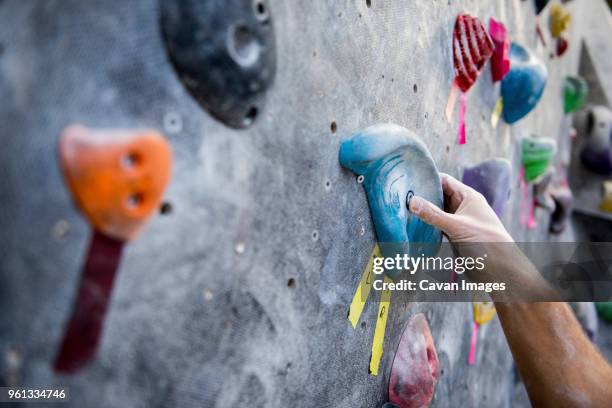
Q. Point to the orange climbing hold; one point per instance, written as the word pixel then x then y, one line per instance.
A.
pixel 117 177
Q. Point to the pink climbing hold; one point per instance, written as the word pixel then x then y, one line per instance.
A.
pixel 415 369
pixel 500 60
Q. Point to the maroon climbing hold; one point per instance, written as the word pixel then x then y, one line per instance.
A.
pixel 562 46
pixel 500 61
pixel 414 372
pixel 472 47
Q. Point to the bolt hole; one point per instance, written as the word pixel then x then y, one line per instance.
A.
pixel 369 3
pixel 408 198
pixel 261 11
pixel 363 325
pixel 327 184
pixel 243 46
pixel 415 88
pixel 360 179
pixel 315 235
pixel 130 160
pixel 173 122
pixel 333 127
pixel 291 283
pixel 250 116
pixel 134 200
pixel 166 208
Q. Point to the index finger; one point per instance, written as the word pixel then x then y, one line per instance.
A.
pixel 451 186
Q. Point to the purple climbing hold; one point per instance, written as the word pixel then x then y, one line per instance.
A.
pixel 564 205
pixel 596 153
pixel 491 178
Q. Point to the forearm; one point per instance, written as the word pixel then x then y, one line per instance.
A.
pixel 557 362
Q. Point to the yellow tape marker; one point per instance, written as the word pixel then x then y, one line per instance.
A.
pixel 363 289
pixel 499 106
pixel 379 331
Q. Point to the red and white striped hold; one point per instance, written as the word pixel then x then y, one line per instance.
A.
pixel 472 47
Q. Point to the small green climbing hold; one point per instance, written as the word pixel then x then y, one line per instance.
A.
pixel 575 91
pixel 536 155
pixel 605 310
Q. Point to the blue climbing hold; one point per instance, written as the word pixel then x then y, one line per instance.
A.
pixel 522 88
pixel 395 165
pixel 491 178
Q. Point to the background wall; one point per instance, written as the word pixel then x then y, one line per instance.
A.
pixel 202 314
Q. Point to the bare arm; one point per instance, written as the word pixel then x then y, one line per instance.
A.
pixel 557 362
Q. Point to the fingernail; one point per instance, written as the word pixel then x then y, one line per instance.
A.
pixel 416 204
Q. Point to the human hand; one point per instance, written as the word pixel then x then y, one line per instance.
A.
pixel 469 217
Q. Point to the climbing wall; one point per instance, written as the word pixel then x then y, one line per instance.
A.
pixel 237 294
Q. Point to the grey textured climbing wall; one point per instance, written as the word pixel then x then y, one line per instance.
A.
pixel 239 296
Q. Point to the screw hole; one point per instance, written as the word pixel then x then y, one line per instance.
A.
pixel 173 122
pixel 243 46
pixel 408 198
pixel 261 11
pixel 415 88
pixel 250 116
pixel 333 127
pixel 130 160
pixel 291 283
pixel 360 179
pixel 315 235
pixel 166 208
pixel 363 325
pixel 134 200
pixel 369 3
pixel 327 184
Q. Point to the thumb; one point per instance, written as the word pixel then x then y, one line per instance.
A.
pixel 432 214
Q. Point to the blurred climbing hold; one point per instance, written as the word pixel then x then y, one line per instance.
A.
pixel 539 5
pixel 491 178
pixel 394 164
pixel 604 309
pixel 117 178
pixel 224 53
pixel 541 191
pixel 484 312
pixel 563 199
pixel 559 19
pixel 536 156
pixel 500 60
pixel 606 201
pixel 522 88
pixel 575 91
pixel 472 48
pixel 552 192
pixel 415 368
pixel 562 46
pixel 596 134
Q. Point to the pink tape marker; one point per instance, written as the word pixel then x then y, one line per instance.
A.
pixel 472 356
pixel 461 131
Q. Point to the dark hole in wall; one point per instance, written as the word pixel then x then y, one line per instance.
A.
pixel 166 208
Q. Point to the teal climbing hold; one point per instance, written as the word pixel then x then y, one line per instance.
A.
pixel 522 87
pixel 395 165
